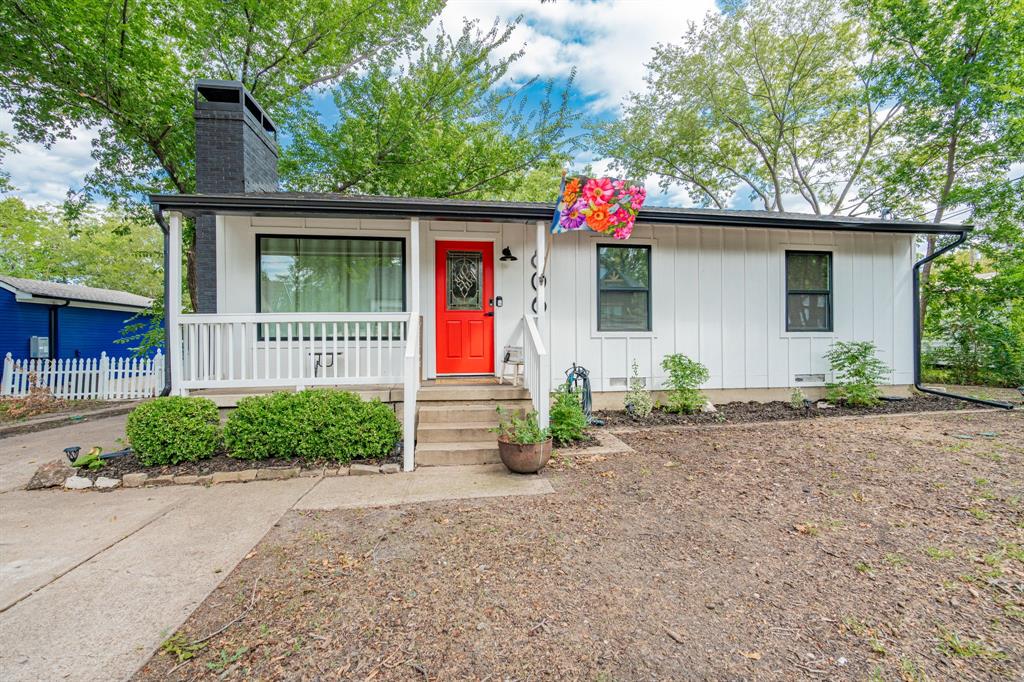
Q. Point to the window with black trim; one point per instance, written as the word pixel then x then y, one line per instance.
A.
pixel 808 291
pixel 623 288
pixel 330 274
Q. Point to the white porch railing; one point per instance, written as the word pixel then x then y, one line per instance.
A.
pixel 99 378
pixel 537 370
pixel 225 350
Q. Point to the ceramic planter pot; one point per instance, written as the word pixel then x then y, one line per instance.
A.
pixel 524 459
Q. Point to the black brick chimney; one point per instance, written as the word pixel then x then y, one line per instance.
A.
pixel 236 151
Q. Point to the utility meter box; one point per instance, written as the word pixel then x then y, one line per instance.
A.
pixel 39 346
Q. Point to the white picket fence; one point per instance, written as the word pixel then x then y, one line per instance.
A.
pixel 99 378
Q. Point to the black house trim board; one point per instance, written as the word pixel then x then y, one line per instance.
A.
pixel 319 205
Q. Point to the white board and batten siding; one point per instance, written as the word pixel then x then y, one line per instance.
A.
pixel 718 295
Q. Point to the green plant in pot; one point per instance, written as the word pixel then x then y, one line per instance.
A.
pixel 524 446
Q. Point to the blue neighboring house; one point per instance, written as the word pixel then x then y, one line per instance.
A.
pixel 77 321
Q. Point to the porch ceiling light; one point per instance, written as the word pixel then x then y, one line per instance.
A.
pixel 506 255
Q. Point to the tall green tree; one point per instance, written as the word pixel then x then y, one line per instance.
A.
pixel 957 67
pixel 105 249
pixel 440 122
pixel 6 147
pixel 767 100
pixel 126 69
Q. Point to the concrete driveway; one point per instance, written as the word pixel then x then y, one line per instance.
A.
pixel 21 455
pixel 91 583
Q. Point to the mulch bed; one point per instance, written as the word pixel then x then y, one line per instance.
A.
pixel 817 550
pixel 130 464
pixel 737 412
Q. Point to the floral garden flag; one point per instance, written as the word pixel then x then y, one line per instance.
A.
pixel 600 204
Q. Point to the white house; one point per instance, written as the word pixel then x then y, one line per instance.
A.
pixel 396 295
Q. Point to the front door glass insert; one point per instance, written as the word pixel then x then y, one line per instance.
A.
pixel 465 279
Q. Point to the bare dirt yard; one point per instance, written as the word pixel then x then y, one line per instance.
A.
pixel 868 548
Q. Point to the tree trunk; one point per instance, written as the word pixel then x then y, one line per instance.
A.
pixel 926 271
pixel 940 210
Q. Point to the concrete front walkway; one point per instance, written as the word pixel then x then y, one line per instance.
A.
pixel 91 583
pixel 426 484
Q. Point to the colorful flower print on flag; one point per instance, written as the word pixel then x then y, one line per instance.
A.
pixel 600 204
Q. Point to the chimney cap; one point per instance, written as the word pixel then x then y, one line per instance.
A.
pixel 221 94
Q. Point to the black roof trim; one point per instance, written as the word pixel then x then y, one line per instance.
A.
pixel 297 204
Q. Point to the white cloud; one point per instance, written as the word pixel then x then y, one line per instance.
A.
pixel 608 41
pixel 42 175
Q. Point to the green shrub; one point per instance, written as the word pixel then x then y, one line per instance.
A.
pixel 638 401
pixel 567 418
pixel 174 429
pixel 316 424
pixel 522 430
pixel 684 378
pixel 796 399
pixel 856 373
pixel 976 325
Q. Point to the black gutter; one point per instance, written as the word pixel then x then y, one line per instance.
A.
pixel 961 238
pixel 392 207
pixel 159 217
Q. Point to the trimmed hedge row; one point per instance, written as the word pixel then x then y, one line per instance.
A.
pixel 174 429
pixel 314 425
pixel 319 424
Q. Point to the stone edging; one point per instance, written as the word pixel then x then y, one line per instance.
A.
pixel 144 480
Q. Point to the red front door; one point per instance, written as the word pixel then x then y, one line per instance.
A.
pixel 464 289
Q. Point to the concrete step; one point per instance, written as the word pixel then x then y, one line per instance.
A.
pixel 454 454
pixel 460 413
pixel 471 393
pixel 455 433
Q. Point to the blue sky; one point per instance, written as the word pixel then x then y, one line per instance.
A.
pixel 608 41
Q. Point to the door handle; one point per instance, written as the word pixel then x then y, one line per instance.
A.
pixel 489 314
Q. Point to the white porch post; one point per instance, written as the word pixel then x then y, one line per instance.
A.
pixel 414 247
pixel 411 376
pixel 172 306
pixel 543 400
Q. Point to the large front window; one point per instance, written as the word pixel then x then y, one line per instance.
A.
pixel 623 288
pixel 330 275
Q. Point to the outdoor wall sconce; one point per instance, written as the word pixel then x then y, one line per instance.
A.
pixel 506 255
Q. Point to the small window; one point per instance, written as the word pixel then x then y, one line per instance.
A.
pixel 623 288
pixel 808 291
